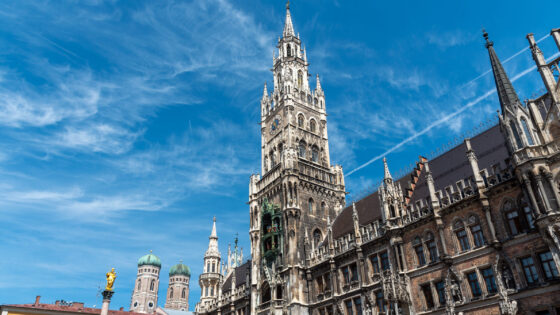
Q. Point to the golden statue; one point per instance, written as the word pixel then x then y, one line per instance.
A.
pixel 111 276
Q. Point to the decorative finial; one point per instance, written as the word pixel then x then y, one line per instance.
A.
pixel 150 251
pixel 485 35
pixel 214 219
pixel 288 5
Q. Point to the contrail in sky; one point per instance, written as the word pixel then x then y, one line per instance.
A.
pixel 455 113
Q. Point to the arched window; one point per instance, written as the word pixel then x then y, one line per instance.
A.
pixel 310 205
pixel 512 218
pixel 515 135
pixel 279 292
pixel 265 293
pixel 323 209
pixel 315 154
pixel 208 267
pixel 432 247
pixel 289 50
pixel 211 291
pixel 528 212
pixel 461 235
pixel 315 101
pixel 317 237
pixel 476 231
pixel 152 285
pixel 300 121
pixel 527 131
pixel 302 149
pixel 170 293
pixel 139 283
pixel 392 211
pixel 213 267
pixel 299 79
pixel 312 125
pixel 419 249
pixel 184 293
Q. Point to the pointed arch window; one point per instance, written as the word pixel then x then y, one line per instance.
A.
pixel 310 205
pixel 171 293
pixel 300 79
pixel 476 231
pixel 317 236
pixel 515 133
pixel 432 247
pixel 527 131
pixel 461 235
pixel 152 285
pixel 419 249
pixel 512 218
pixel 289 50
pixel 302 149
pixel 184 293
pixel 315 154
pixel 300 121
pixel 312 125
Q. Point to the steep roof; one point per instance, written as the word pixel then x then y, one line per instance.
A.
pixel 241 273
pixel 447 169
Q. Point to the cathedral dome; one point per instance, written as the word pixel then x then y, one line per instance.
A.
pixel 150 260
pixel 180 269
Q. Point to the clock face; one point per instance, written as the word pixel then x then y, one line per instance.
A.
pixel 275 125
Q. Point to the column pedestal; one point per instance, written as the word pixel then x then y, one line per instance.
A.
pixel 106 301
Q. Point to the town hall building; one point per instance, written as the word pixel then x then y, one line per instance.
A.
pixel 475 230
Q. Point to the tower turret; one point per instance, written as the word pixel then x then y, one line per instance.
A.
pixel 178 289
pixel 145 294
pixel 210 277
pixel 299 188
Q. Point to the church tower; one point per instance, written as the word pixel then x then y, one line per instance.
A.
pixel 145 294
pixel 178 289
pixel 210 278
pixel 299 189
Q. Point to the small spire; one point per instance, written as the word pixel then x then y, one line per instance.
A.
pixel 488 42
pixel 214 234
pixel 506 93
pixel 319 88
pixel 386 167
pixel 265 95
pixel 304 55
pixel 288 26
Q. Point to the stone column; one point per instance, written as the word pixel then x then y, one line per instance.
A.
pixel 528 188
pixel 106 301
pixel 554 189
pixel 542 193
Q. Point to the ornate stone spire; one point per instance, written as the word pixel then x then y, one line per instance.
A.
pixel 265 91
pixel 387 173
pixel 288 26
pixel 506 92
pixel 318 87
pixel 213 244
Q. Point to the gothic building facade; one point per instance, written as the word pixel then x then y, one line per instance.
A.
pixel 475 230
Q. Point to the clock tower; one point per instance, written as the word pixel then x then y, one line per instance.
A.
pixel 299 189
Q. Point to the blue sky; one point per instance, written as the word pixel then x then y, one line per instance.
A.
pixel 126 126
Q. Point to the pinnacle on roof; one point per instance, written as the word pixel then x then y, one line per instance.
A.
pixel 386 167
pixel 214 234
pixel 319 88
pixel 506 92
pixel 288 26
pixel 265 91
